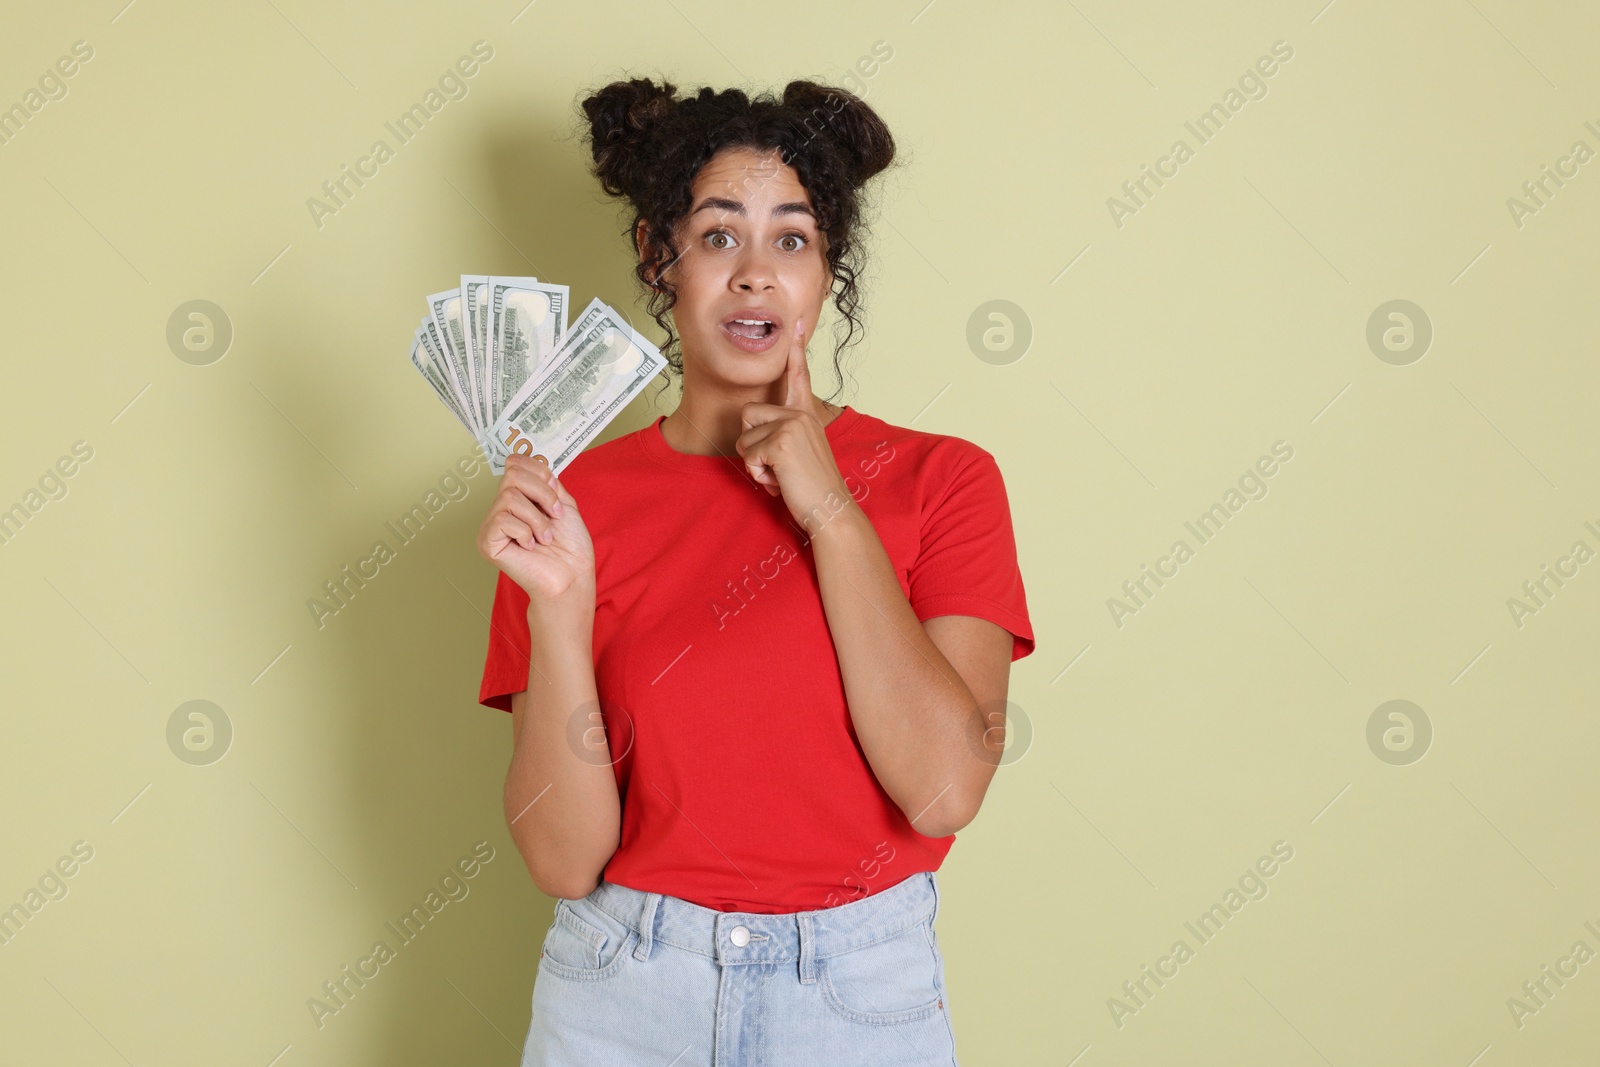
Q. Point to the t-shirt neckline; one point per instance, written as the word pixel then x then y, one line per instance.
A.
pixel 654 443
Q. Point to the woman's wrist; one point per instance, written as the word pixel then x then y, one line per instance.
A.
pixel 565 620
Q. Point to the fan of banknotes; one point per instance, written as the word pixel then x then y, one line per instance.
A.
pixel 503 355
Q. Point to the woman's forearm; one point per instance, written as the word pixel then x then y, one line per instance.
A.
pixel 561 797
pixel 918 722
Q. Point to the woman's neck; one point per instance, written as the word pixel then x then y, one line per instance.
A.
pixel 707 420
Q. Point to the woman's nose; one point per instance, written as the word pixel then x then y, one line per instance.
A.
pixel 753 271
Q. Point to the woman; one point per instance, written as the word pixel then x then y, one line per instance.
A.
pixel 755 654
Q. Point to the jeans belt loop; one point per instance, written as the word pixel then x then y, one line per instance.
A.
pixel 647 926
pixel 808 950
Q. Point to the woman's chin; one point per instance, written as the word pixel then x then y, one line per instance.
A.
pixel 741 370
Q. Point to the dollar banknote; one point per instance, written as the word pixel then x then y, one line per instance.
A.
pixel 424 364
pixel 445 308
pixel 529 321
pixel 475 321
pixel 500 353
pixel 601 365
pixel 454 374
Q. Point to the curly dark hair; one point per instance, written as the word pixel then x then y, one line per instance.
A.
pixel 649 145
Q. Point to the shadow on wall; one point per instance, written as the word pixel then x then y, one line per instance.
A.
pixel 421 761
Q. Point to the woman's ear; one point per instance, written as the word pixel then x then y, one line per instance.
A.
pixel 641 236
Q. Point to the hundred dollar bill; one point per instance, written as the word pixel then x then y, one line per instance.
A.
pixel 599 368
pixel 424 365
pixel 474 291
pixel 530 320
pixel 550 367
pixel 492 330
pixel 434 348
pixel 445 309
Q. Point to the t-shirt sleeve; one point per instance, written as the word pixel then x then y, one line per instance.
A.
pixel 968 559
pixel 505 669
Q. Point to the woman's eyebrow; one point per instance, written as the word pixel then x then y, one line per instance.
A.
pixel 734 207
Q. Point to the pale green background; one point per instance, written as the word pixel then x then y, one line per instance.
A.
pixel 1227 314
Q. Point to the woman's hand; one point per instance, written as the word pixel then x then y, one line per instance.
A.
pixel 785 446
pixel 534 533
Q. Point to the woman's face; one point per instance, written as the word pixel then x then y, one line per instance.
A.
pixel 749 249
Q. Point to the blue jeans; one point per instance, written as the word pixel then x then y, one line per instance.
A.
pixel 627 978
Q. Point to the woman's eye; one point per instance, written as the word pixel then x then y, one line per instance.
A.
pixel 800 240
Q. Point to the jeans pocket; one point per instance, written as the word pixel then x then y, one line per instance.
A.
pixel 891 981
pixel 584 943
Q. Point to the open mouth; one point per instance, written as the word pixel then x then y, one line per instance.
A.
pixel 755 329
pixel 752 329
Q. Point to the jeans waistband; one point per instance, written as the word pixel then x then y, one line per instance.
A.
pixel 741 937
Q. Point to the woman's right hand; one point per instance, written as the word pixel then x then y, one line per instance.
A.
pixel 533 533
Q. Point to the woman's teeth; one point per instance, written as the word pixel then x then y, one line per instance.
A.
pixel 753 329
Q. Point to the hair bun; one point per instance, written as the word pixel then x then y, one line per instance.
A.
pixel 623 118
pixel 854 126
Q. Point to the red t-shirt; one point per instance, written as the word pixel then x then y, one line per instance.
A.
pixel 743 786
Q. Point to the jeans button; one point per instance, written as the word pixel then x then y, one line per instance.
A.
pixel 739 936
